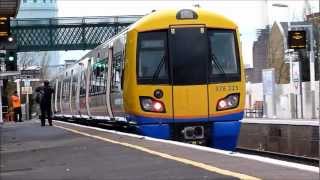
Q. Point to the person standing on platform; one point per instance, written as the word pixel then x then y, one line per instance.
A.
pixel 44 95
pixel 16 105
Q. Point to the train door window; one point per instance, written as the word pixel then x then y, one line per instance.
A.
pixel 74 83
pixel 224 57
pixel 188 55
pixel 58 91
pixel 152 64
pixel 117 71
pixel 66 88
pixel 83 83
pixel 98 77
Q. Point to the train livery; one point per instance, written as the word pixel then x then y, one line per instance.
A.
pixel 174 74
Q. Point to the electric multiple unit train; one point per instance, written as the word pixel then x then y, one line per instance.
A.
pixel 173 74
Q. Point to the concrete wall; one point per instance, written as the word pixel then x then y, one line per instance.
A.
pixel 286 105
pixel 281 138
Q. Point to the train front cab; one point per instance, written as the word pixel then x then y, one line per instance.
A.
pixel 189 82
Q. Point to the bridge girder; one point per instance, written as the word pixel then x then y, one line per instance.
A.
pixel 52 35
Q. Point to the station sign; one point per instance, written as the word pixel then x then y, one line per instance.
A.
pixel 297 39
pixel 4 27
pixel 26 90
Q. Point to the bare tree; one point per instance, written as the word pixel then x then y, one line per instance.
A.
pixel 26 59
pixel 44 64
pixel 39 60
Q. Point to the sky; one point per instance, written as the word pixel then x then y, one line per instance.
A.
pixel 250 15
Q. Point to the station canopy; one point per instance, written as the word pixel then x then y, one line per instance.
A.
pixel 9 8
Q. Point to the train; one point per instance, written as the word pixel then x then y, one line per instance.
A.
pixel 174 74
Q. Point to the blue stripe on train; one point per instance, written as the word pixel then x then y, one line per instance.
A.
pixel 225 129
pixel 153 120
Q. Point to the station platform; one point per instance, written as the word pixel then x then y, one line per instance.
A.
pixel 69 151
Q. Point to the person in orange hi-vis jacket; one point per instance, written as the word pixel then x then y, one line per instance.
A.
pixel 16 104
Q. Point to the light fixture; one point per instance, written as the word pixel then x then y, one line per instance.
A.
pixel 10 39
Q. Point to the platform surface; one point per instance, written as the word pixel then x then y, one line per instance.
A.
pixel 66 151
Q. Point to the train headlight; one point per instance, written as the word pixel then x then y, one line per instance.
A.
pixel 151 105
pixel 229 102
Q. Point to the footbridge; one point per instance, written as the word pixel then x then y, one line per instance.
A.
pixel 74 33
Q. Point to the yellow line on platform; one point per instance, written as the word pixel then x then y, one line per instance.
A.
pixel 167 156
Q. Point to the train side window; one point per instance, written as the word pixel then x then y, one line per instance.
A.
pixel 74 84
pixel 98 77
pixel 68 87
pixel 152 63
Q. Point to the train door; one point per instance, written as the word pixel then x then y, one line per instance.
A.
pixel 53 96
pixel 116 95
pixel 109 80
pixel 88 75
pixel 97 88
pixel 72 92
pixel 66 94
pixel 188 61
pixel 77 94
pixel 83 91
pixel 61 94
pixel 56 95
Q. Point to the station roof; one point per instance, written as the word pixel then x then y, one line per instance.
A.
pixel 9 8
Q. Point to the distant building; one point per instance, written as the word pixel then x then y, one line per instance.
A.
pixel 268 51
pixel 259 56
pixel 38 9
pixel 275 52
pixel 69 62
pixel 276 48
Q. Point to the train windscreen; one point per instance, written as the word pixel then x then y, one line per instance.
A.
pixel 224 59
pixel 188 56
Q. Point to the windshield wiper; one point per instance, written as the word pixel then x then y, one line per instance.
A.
pixel 157 72
pixel 214 59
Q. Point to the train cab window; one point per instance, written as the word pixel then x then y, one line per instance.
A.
pixel 152 64
pixel 224 59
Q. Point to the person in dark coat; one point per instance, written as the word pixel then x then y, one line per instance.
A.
pixel 44 99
